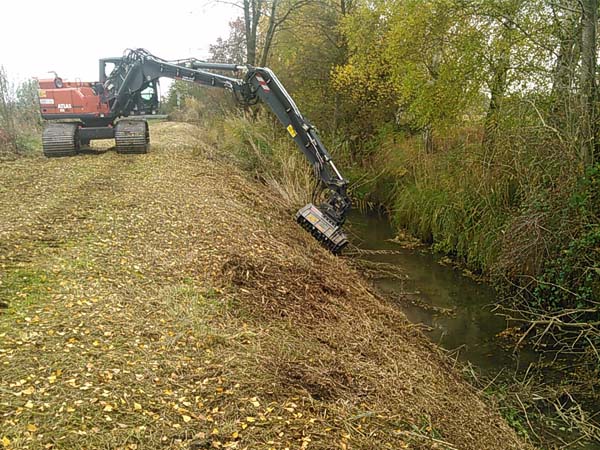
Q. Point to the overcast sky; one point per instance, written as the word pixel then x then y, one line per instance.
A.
pixel 69 36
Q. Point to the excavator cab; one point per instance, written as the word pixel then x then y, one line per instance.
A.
pixel 147 102
pixel 143 102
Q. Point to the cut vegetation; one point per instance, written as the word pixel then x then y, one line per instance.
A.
pixel 167 301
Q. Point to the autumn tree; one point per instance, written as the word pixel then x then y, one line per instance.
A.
pixel 424 56
pixel 308 48
pixel 232 49
pixel 261 20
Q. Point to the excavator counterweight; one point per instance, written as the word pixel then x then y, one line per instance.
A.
pixel 79 112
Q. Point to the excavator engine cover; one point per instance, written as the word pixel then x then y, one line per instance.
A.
pixel 324 229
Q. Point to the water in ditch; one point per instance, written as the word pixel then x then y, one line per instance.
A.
pixel 457 311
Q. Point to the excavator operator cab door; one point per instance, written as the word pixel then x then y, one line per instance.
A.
pixel 147 101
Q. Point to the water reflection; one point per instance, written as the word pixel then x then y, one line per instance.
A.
pixel 457 309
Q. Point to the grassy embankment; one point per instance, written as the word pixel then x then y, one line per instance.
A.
pixel 524 213
pixel 529 223
pixel 166 300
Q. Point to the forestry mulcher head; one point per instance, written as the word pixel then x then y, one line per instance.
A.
pixel 324 228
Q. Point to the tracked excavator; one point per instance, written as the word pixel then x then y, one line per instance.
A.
pixel 116 107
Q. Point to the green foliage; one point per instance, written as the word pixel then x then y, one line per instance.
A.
pixel 232 49
pixel 419 57
pixel 22 287
pixel 303 56
pixel 449 200
pixel 572 277
pixel 516 420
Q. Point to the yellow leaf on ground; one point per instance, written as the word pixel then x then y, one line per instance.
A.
pixel 108 408
pixel 185 418
pixel 5 442
pixel 31 427
pixel 30 390
pixel 137 406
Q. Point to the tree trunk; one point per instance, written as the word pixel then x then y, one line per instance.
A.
pixel 497 91
pixel 247 29
pixel 252 13
pixel 428 139
pixel 567 59
pixel 497 86
pixel 270 33
pixel 587 80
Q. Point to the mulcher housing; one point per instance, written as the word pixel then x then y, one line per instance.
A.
pixel 117 104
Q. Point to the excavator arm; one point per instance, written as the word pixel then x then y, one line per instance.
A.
pixel 138 69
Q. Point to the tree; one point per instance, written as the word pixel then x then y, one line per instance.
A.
pixel 567 26
pixel 279 12
pixel 253 10
pixel 261 21
pixel 233 48
pixel 305 60
pixel 424 55
pixel 587 79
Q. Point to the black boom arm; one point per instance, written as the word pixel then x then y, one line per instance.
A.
pixel 138 69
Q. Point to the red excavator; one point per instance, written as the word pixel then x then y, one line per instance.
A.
pixel 126 92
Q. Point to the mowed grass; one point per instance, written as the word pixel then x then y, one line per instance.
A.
pixel 167 301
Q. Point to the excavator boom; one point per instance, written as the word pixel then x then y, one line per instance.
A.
pixel 104 109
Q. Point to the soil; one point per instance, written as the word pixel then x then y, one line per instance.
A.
pixel 168 300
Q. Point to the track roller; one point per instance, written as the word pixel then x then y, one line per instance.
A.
pixel 60 139
pixel 323 229
pixel 132 136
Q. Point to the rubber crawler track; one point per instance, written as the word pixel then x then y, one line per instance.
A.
pixel 60 139
pixel 132 136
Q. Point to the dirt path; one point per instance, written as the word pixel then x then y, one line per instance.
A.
pixel 164 301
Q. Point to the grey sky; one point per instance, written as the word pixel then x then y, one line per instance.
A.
pixel 70 36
